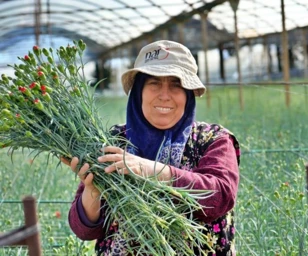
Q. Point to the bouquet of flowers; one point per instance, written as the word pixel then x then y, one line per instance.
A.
pixel 50 107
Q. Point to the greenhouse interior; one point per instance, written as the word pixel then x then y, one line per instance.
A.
pixel 252 57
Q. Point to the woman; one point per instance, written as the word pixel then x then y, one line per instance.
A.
pixel 162 88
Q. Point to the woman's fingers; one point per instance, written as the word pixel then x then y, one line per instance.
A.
pixel 82 172
pixel 74 163
pixel 113 154
pixel 112 149
pixel 113 167
pixel 116 155
pixel 123 171
pixel 88 178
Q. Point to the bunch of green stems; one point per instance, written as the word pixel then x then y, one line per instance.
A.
pixel 50 107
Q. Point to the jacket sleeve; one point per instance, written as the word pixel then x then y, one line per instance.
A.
pixel 79 223
pixel 217 171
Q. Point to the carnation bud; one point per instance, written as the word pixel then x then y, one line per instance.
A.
pixel 34 74
pixel 19 82
pixel 56 79
pixel 72 69
pixel 46 52
pixel 22 89
pixel 24 67
pixel 25 91
pixel 33 61
pixel 34 85
pixel 76 91
pixel 81 45
pixel 46 96
pixel 50 60
pixel 4 128
pixel 5 79
pixel 27 58
pixel 20 98
pixel 53 73
pixel 28 134
pixel 30 54
pixel 74 50
pixel 45 88
pixel 41 75
pixel 61 68
pixel 19 119
pixel 68 50
pixel 7 113
pixel 36 50
pixel 18 74
pixel 62 52
pixel 48 67
pixel 41 68
pixel 38 104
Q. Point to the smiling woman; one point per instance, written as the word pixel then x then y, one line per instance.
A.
pixel 167 144
pixel 163 101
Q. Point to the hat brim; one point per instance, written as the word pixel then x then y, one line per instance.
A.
pixel 189 81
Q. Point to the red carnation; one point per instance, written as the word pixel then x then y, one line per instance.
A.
pixel 58 214
pixel 32 85
pixel 22 89
pixel 40 73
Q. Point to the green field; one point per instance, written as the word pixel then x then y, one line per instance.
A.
pixel 271 210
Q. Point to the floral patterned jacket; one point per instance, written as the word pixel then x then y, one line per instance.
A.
pixel 210 161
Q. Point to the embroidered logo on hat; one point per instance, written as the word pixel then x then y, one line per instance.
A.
pixel 159 54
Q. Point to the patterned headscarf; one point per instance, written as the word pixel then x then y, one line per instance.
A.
pixel 165 146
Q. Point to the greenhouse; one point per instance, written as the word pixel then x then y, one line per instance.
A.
pixel 252 57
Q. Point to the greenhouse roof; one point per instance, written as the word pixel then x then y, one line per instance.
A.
pixel 111 23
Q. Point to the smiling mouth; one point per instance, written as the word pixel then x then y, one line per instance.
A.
pixel 164 110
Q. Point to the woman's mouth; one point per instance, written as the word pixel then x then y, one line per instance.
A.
pixel 163 109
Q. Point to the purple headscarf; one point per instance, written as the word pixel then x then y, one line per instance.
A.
pixel 164 145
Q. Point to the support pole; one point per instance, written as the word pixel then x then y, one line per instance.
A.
pixel 251 71
pixel 307 181
pixel 234 5
pixel 305 54
pixel 180 28
pixel 285 56
pixel 38 11
pixel 265 57
pixel 33 242
pixel 28 234
pixel 165 34
pixel 204 34
pixel 222 62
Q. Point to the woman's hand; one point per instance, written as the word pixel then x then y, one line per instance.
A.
pixel 90 194
pixel 138 165
pixel 84 176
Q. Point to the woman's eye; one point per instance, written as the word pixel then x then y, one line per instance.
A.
pixel 176 84
pixel 152 82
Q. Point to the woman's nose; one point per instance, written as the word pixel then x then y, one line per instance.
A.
pixel 164 91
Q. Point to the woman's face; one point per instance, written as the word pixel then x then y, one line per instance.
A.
pixel 163 101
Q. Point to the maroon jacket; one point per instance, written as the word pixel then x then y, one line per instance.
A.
pixel 217 170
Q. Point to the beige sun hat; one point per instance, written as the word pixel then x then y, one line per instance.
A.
pixel 166 58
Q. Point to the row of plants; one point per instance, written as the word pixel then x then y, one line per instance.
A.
pixel 271 210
